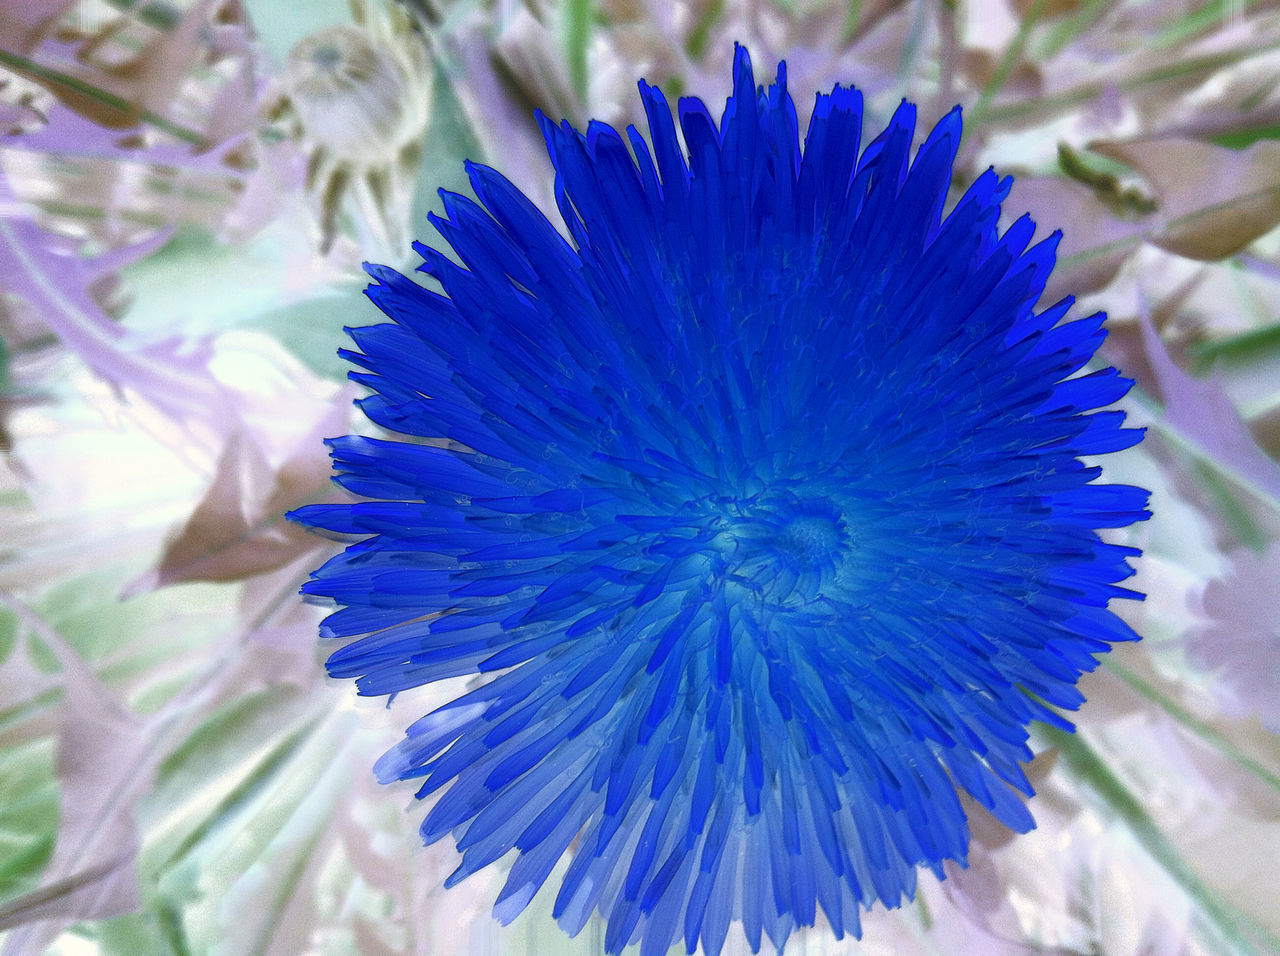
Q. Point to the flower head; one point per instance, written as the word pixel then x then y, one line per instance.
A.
pixel 758 500
pixel 361 97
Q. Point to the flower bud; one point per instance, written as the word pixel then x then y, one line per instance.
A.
pixel 360 100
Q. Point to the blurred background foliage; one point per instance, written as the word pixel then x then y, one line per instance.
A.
pixel 187 190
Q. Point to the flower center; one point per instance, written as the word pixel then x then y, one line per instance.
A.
pixel 811 541
pixel 326 57
pixel 787 547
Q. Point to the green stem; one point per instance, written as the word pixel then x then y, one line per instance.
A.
pixel 1235 927
pixel 161 16
pixel 1008 60
pixel 696 43
pixel 1241 343
pixel 1066 31
pixel 1187 444
pixel 49 75
pixel 852 16
pixel 1234 514
pixel 1086 92
pixel 577 38
pixel 1188 720
pixel 1202 18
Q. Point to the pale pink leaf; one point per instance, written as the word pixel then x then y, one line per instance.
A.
pixel 23 25
pixel 119 95
pixel 1198 411
pixel 228 537
pixel 233 111
pixel 173 377
pixel 1095 242
pixel 159 71
pixel 238 530
pixel 304 475
pixel 104 767
pixel 68 134
pixel 369 941
pixel 376 869
pixel 1265 429
pixel 496 119
pixel 1243 629
pixel 1214 201
pixel 16 118
pixel 285 652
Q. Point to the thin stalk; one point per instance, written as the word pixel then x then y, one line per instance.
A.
pixel 577 38
pixel 1204 17
pixel 1086 92
pixel 1084 18
pixel 1235 515
pixel 1235 927
pixel 1241 343
pixel 47 74
pixel 160 16
pixel 1189 721
pixel 1008 60
pixel 1188 445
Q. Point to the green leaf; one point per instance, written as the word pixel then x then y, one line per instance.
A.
pixel 147 932
pixel 449 141
pixel 1243 345
pixel 1014 52
pixel 28 815
pixel 8 633
pixel 1243 138
pixel 6 381
pixel 218 770
pixel 236 882
pixel 1065 32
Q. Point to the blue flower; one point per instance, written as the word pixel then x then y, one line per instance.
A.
pixel 758 502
